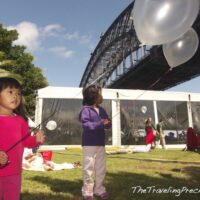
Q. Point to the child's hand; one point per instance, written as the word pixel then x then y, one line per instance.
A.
pixel 40 137
pixel 106 121
pixel 3 158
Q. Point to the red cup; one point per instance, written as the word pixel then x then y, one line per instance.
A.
pixel 46 155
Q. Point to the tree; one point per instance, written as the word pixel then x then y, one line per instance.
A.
pixel 16 63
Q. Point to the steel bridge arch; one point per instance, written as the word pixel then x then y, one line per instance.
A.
pixel 114 46
pixel 119 61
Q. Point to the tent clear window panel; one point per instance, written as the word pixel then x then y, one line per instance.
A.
pixel 175 120
pixel 66 115
pixel 133 114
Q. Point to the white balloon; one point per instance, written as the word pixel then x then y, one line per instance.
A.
pixel 143 109
pixel 162 21
pixel 182 49
pixel 51 125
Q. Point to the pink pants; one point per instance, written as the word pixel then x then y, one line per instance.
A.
pixel 94 167
pixel 10 187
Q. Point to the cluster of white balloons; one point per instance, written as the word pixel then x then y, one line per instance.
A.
pixel 168 22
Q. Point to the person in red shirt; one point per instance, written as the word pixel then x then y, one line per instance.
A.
pixel 191 139
pixel 150 131
pixel 14 132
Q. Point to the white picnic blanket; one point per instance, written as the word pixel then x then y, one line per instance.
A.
pixel 34 162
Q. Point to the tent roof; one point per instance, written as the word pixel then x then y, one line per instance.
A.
pixel 76 93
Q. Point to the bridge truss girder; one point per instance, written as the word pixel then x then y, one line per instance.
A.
pixel 115 45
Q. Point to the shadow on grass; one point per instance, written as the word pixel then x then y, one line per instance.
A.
pixel 129 186
pixel 64 189
pixel 45 196
pixel 134 186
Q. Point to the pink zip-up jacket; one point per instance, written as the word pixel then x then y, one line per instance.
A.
pixel 12 129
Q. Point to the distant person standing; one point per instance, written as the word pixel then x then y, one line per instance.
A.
pixel 161 136
pixel 94 121
pixel 149 139
pixel 150 132
pixel 191 139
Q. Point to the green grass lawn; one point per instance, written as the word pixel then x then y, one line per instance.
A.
pixel 126 177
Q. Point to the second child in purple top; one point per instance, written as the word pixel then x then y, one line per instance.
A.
pixel 93 126
pixel 94 120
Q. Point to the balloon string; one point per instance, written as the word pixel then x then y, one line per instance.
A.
pixel 29 133
pixel 22 139
pixel 153 84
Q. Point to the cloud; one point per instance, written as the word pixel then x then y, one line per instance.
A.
pixel 85 40
pixel 36 38
pixel 62 51
pixel 28 35
pixel 71 36
pixel 51 30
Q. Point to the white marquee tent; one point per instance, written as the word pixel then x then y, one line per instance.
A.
pixel 180 110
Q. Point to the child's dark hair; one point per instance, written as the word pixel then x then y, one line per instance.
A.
pixel 13 83
pixel 90 94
